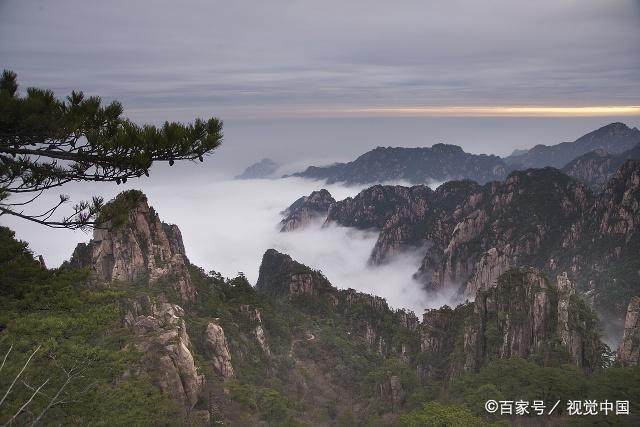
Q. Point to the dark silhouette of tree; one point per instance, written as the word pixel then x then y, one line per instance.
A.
pixel 46 143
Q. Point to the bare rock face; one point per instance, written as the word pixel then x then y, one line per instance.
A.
pixel 255 317
pixel 137 247
pixel 160 334
pixel 517 318
pixel 487 270
pixel 565 291
pixel 629 350
pixel 306 210
pixel 217 350
pixel 620 203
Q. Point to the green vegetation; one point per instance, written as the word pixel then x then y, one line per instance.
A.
pixel 73 349
pixel 440 415
pixel 517 378
pixel 321 369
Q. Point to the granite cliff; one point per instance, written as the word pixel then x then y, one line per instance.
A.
pixel 307 209
pixel 135 246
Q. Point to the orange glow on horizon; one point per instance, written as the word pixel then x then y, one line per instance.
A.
pixel 498 111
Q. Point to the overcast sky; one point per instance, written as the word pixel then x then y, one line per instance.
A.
pixel 260 65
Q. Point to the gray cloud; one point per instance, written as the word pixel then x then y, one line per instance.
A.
pixel 247 61
pixel 242 57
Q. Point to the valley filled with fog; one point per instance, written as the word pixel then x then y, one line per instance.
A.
pixel 228 224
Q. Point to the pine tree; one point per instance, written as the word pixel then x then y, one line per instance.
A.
pixel 46 143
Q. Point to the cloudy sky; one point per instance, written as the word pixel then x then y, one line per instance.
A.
pixel 331 79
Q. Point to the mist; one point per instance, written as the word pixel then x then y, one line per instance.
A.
pixel 227 225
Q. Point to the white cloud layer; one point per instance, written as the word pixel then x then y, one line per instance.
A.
pixel 227 226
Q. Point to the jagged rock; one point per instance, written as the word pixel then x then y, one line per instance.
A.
pixel 136 247
pixel 353 297
pixel 629 350
pixel 306 210
pixel 441 162
pixel 515 318
pixel 255 317
pixel 620 202
pixel 217 350
pixel 611 224
pixel 279 275
pixel 487 270
pixel 565 291
pixel 160 334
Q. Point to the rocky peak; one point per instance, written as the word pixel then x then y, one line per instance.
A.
pixel 629 350
pixel 135 246
pixel 280 275
pixel 303 211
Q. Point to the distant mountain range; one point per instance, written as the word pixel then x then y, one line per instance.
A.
pixel 443 162
pixel 596 167
pixel 614 138
pixel 263 169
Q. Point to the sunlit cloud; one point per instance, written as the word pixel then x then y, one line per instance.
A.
pixel 455 111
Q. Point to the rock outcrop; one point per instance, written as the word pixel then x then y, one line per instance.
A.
pixel 629 350
pixel 523 315
pixel 305 210
pixel 135 246
pixel 217 350
pixel 160 335
pixel 254 316
pixel 279 275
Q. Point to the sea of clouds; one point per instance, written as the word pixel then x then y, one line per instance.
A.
pixel 227 225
